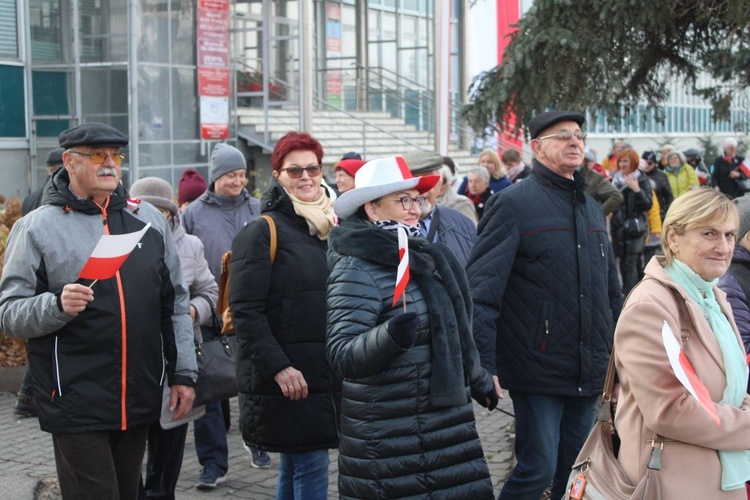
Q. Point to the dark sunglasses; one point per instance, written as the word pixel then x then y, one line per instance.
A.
pixel 296 172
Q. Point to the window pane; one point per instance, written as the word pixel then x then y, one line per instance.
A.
pixel 8 29
pixel 185 113
pixel 105 94
pixel 103 27
pixel 12 114
pixel 153 103
pixel 52 96
pixel 154 154
pixel 45 24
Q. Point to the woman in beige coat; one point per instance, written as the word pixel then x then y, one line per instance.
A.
pixel 700 458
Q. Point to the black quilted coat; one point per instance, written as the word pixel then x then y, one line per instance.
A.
pixel 545 287
pixel 395 443
pixel 279 313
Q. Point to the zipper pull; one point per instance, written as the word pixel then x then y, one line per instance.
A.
pixel 52 396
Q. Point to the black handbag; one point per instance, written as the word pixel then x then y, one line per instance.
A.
pixel 634 227
pixel 217 378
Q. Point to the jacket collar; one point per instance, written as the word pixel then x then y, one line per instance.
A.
pixel 544 175
pixel 210 197
pixel 58 193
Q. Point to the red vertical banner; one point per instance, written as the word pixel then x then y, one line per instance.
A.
pixel 508 14
pixel 212 45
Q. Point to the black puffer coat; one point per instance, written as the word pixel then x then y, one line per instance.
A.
pixel 395 442
pixel 279 313
pixel 636 205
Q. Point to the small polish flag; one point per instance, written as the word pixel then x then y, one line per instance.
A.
pixel 402 277
pixel 745 167
pixel 110 253
pixel 685 373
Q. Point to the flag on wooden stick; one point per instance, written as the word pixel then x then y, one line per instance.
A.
pixel 402 276
pixel 110 253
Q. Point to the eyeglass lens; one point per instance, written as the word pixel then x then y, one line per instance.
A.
pixel 296 172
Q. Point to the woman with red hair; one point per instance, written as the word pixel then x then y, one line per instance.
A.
pixel 629 224
pixel 277 296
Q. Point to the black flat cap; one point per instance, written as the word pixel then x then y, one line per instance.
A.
pixel 423 161
pixel 92 134
pixel 545 120
pixel 55 157
pixel 351 155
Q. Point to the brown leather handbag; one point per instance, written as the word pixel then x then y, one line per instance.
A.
pixel 597 474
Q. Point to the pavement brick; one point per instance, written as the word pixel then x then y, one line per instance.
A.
pixel 27 457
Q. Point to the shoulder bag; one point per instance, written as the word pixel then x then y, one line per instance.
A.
pixel 217 379
pixel 597 474
pixel 222 304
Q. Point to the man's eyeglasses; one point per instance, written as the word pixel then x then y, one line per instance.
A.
pixel 296 172
pixel 565 136
pixel 407 201
pixel 99 157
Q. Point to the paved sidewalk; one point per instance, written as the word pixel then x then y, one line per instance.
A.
pixel 27 458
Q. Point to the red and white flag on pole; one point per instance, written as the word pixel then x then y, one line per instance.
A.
pixel 745 167
pixel 402 277
pixel 110 253
pixel 685 373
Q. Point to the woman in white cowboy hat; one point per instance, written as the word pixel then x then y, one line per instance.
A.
pixel 407 425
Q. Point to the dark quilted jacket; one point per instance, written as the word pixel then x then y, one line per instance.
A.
pixel 636 204
pixel 457 232
pixel 394 442
pixel 279 313
pixel 545 287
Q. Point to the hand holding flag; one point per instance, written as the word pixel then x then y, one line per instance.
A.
pixel 402 276
pixel 685 373
pixel 110 253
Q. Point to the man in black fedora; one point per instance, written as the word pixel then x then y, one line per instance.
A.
pixel 546 294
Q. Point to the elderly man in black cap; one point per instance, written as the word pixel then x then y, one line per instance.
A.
pixel 546 295
pixel 99 350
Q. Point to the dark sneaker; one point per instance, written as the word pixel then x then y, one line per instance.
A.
pixel 25 406
pixel 211 476
pixel 258 458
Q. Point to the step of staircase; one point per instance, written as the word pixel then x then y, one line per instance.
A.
pixel 373 134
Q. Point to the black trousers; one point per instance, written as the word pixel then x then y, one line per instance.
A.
pixel 97 465
pixel 164 462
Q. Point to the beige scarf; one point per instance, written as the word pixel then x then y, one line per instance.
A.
pixel 318 213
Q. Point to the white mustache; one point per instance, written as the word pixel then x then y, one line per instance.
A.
pixel 106 171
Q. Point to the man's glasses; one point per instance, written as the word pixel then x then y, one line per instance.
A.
pixel 99 157
pixel 565 136
pixel 407 202
pixel 296 172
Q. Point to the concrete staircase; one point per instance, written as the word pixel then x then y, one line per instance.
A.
pixel 372 134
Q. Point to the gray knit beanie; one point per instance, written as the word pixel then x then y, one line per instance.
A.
pixel 156 191
pixel 225 159
pixel 743 207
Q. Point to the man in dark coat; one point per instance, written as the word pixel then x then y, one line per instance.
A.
pixel 546 292
pixel 441 223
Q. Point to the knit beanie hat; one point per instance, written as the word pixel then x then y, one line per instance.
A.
pixel 156 191
pixel 743 207
pixel 225 159
pixel 350 166
pixel 191 186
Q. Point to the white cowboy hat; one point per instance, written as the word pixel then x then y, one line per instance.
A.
pixel 378 178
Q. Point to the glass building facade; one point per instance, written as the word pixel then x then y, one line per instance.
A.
pixel 132 64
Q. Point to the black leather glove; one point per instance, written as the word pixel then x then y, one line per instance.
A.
pixel 403 329
pixel 492 396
